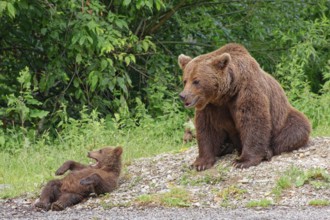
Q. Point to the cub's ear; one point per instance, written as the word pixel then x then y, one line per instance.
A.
pixel 221 62
pixel 183 60
pixel 118 151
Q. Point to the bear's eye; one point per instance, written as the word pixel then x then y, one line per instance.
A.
pixel 184 82
pixel 195 82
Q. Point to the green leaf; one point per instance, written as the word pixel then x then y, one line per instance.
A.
pixel 148 3
pixel 121 83
pixel 300 181
pixel 75 38
pixel 145 46
pixel 140 4
pixel 121 23
pixel 3 5
pixel 76 83
pixel 35 113
pixel 82 40
pixel 159 4
pixel 90 39
pixel 93 80
pixel 132 58
pixel 127 60
pixel 78 58
pixel 126 2
pixel 43 31
pixel 11 10
pixel 104 64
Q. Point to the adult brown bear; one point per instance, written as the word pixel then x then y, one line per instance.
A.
pixel 236 101
pixel 83 180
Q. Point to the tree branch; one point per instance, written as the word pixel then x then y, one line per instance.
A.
pixel 166 16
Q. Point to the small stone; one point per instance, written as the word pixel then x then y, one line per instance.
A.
pixel 197 204
pixel 244 181
pixel 267 193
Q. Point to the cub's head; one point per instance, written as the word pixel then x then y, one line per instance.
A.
pixel 108 158
pixel 205 78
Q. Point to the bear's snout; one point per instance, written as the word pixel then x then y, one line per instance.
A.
pixel 182 96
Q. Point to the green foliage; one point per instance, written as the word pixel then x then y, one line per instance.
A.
pixel 259 203
pixel 210 177
pixel 319 202
pixel 230 193
pixel 28 160
pixel 304 74
pixel 176 197
pixel 295 177
pixel 25 107
pixel 107 55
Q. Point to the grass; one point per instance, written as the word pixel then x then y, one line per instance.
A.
pixel 176 197
pixel 319 202
pixel 259 203
pixel 321 131
pixel 27 163
pixel 211 176
pixel 230 193
pixel 296 177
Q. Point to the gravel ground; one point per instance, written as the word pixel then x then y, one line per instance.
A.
pixel 222 192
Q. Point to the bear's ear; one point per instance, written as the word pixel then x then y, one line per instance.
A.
pixel 222 61
pixel 183 60
pixel 118 151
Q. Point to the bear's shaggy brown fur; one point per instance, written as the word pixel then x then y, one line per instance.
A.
pixel 99 178
pixel 236 101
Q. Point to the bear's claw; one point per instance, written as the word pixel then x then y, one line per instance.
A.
pixel 241 164
pixel 57 206
pixel 201 164
pixel 42 206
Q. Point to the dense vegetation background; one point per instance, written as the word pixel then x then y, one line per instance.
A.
pixel 77 74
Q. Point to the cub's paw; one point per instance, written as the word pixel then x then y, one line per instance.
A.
pixel 201 164
pixel 86 181
pixel 42 206
pixel 57 206
pixel 61 170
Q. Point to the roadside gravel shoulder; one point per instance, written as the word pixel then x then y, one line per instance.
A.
pixel 222 189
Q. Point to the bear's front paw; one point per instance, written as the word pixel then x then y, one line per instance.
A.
pixel 240 163
pixel 201 164
pixel 57 206
pixel 43 206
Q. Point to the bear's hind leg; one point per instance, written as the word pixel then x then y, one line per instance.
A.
pixel 49 194
pixel 294 135
pixel 66 200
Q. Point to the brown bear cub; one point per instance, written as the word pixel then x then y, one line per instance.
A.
pixel 83 180
pixel 189 131
pixel 237 102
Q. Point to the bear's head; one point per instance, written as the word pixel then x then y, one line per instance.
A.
pixel 108 158
pixel 205 79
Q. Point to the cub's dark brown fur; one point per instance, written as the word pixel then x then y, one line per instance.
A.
pixel 83 180
pixel 236 101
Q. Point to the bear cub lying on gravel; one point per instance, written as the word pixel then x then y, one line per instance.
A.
pixel 83 180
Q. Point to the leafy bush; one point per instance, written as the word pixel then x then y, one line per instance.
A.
pixel 305 72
